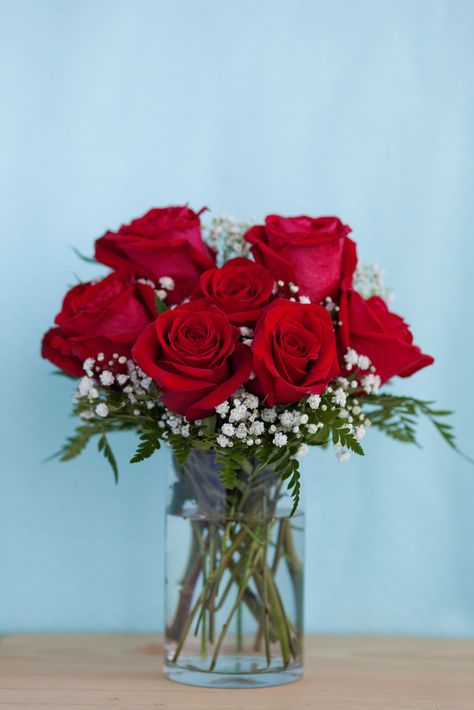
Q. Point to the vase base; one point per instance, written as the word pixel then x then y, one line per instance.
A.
pixel 243 677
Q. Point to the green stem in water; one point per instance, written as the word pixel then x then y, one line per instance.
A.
pixel 212 565
pixel 239 633
pixel 279 615
pixel 245 579
pixel 266 637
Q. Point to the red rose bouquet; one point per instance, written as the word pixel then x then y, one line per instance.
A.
pixel 240 347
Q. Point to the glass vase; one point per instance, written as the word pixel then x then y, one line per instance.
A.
pixel 234 577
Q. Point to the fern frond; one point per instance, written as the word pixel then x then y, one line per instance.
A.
pixel 104 446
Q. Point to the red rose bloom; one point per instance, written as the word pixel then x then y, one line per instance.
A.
pixel 241 288
pixel 164 242
pixel 107 316
pixel 294 352
pixel 193 355
pixel 372 330
pixel 305 251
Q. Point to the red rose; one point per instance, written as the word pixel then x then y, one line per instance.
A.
pixel 372 330
pixel 241 288
pixel 107 316
pixel 164 242
pixel 311 253
pixel 294 352
pixel 193 355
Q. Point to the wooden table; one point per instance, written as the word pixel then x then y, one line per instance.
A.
pixel 123 671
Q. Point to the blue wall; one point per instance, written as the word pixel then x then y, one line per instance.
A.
pixel 360 109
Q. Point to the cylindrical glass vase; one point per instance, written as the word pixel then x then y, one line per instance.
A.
pixel 234 578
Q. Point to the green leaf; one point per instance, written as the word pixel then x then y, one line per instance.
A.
pixel 60 373
pixel 149 443
pixel 75 445
pixel 294 487
pixel 88 259
pixel 161 306
pixel 395 417
pixel 104 446
pixel 344 437
pixel 229 468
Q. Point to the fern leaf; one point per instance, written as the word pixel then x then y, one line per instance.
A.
pixel 149 443
pixel 74 445
pixel 104 446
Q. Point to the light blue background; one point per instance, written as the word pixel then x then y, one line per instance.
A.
pixel 362 109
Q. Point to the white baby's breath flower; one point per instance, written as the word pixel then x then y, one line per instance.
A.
pixel 363 362
pixel 223 408
pixel 371 383
pixel 166 282
pixel 241 432
pixel 351 358
pixel 84 386
pixel 340 398
pixel 246 332
pixel 106 378
pixel 280 439
pixel 228 429
pixel 222 441
pixel 251 401
pixel 102 409
pixel 312 428
pixel 302 451
pixel 257 428
pixel 238 412
pixel 304 299
pixel 269 415
pixel 343 455
pixel 161 293
pixel 88 364
pixel 314 400
pixel 286 419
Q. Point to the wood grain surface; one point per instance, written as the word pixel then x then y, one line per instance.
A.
pixel 123 671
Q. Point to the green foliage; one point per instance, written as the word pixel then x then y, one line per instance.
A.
pixel 230 464
pixel 396 417
pixel 334 428
pixel 182 447
pixel 75 444
pixel 104 446
pixel 60 373
pixel 149 443
pixel 87 259
pixel 326 425
pixel 161 306
pixel 289 471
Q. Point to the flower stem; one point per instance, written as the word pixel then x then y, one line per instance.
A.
pixel 235 606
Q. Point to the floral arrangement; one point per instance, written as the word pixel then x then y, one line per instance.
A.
pixel 239 346
pixel 250 341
